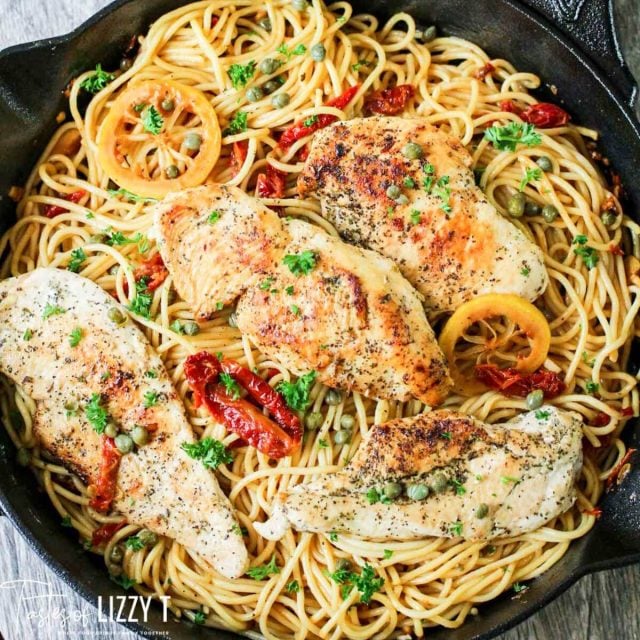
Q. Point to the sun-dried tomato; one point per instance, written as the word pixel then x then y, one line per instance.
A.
pixel 391 101
pixel 271 184
pixel 545 115
pixel 53 210
pixel 513 383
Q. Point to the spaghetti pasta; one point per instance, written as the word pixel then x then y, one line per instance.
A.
pixel 592 313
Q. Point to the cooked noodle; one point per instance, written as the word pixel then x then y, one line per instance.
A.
pixel 592 314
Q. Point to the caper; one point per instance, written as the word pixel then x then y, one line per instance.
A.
pixel 482 511
pixel 439 483
pixel 115 315
pixel 192 141
pixel 191 328
pixel 318 52
pixel 544 162
pixel 148 538
pixel 265 24
pixel 342 436
pixel 280 100
pixel 535 399
pixel 347 421
pixel 168 104
pixel 139 435
pixel 233 320
pixel 126 64
pixel 124 443
pixel 428 34
pixel 98 237
pixel 412 151
pixel 268 66
pixel 343 564
pixel 549 213
pixel 172 171
pixel 417 491
pixel 111 430
pixel 516 203
pixel 271 86
pixel 393 191
pixel 313 420
pixel 116 554
pixel 532 208
pixel 254 94
pixel 23 457
pixel 402 199
pixel 608 218
pixel 299 5
pixel 333 397
pixel 392 490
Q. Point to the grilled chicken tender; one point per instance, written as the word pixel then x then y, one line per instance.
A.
pixel 450 257
pixel 158 485
pixel 485 480
pixel 352 317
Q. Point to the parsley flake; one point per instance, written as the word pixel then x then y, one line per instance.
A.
pixel 237 124
pixel 150 399
pixel 592 387
pixel 455 528
pixel 310 121
pixel 214 216
pixel 211 452
pixel 75 336
pixel 122 580
pixel 152 121
pixel 134 543
pixel 27 335
pixel 507 138
pixel 296 394
pixel 292 587
pixel 387 554
pixel 240 74
pixel 261 572
pixel 530 175
pixel 97 81
pixel 230 385
pixel 301 263
pixel 96 414
pixel 78 256
pixel 542 414
pixel 52 310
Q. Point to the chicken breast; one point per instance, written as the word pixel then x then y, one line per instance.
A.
pixel 449 256
pixel 158 485
pixel 485 480
pixel 344 312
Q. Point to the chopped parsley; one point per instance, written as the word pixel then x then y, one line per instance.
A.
pixel 96 414
pixel 78 256
pixel 75 336
pixel 150 399
pixel 519 588
pixel 66 522
pixel 333 536
pixel 427 183
pixel 409 182
pixel 373 496
pixel 416 217
pixel 296 394
pixel 542 414
pixel 211 452
pixel 295 309
pixel 387 554
pixel 592 387
pixel 301 263
pixel 52 310
pixel 530 175
pixel 588 254
pixel 261 572
pixel 456 528
pixel 141 304
pixel 152 121
pixel 199 617
pixel 587 360
pixel 240 74
pixel 509 480
pixel 443 191
pixel 134 543
pixel 27 335
pixel 230 385
pixel 292 587
pixel 525 271
pixel 214 216
pixel 446 435
pixel 507 138
pixel 367 583
pixel 289 53
pixel 131 197
pixel 122 580
pixel 265 285
pixel 361 63
pixel 237 529
pixel 237 124
pixel 310 121
pixel 219 306
pixel 289 290
pixel 151 374
pixel 459 487
pixel 323 444
pixel 97 81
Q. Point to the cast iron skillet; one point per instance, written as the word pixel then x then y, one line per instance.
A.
pixel 579 56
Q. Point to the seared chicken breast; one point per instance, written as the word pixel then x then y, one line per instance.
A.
pixel 112 368
pixel 483 480
pixel 438 227
pixel 305 298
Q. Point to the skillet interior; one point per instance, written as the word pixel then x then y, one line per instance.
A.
pixel 29 101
